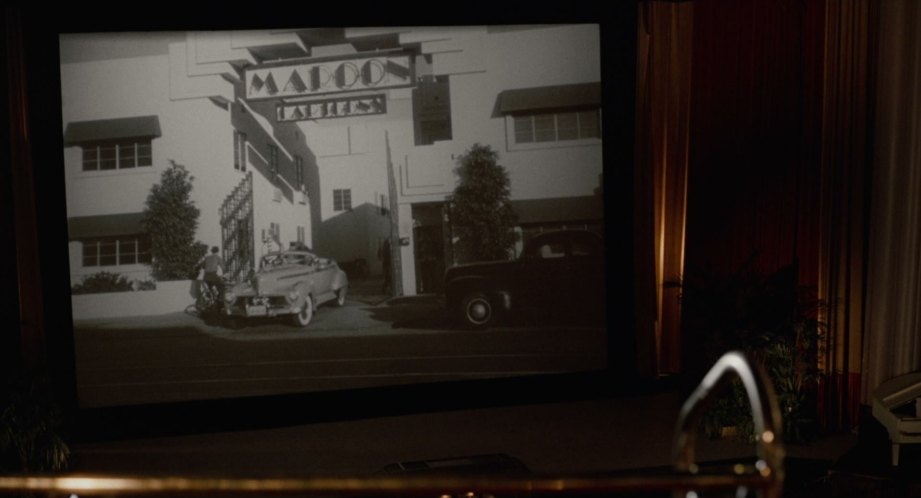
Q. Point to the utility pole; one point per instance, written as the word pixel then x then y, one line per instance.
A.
pixel 396 259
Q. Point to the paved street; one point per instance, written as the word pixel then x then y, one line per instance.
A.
pixel 371 341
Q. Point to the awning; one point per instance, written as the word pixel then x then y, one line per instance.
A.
pixel 111 129
pixel 580 95
pixel 107 225
pixel 559 209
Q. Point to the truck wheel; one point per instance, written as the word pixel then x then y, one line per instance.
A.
pixel 476 310
pixel 303 317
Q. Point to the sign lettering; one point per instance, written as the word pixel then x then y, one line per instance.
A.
pixel 318 78
pixel 332 108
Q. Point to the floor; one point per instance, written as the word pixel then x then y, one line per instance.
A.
pixel 555 438
pixel 623 435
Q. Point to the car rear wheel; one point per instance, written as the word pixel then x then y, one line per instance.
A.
pixel 340 295
pixel 305 315
pixel 476 310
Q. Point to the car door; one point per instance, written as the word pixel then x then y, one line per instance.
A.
pixel 586 275
pixel 543 272
pixel 322 276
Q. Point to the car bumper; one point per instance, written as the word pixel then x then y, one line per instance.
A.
pixel 263 306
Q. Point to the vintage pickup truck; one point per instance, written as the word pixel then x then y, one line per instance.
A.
pixel 559 273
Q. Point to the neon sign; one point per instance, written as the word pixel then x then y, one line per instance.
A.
pixel 317 78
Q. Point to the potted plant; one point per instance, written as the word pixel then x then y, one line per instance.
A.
pixel 29 423
pixel 771 319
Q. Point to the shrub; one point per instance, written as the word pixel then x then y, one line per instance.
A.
pixel 145 285
pixel 102 282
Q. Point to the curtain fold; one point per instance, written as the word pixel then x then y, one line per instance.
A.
pixel 664 85
pixel 893 303
pixel 752 162
pixel 844 169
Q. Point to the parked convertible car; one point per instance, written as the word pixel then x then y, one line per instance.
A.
pixel 290 283
pixel 559 273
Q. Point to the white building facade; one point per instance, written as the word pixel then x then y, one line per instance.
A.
pixel 336 138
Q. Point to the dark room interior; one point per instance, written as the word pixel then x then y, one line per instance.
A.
pixel 763 195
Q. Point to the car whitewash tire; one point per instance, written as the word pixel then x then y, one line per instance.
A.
pixel 305 315
pixel 476 310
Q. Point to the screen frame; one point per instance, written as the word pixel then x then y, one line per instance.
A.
pixel 39 51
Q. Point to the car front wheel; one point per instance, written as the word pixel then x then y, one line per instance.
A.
pixel 476 310
pixel 305 315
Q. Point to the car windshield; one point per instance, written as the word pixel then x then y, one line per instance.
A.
pixel 296 258
pixel 286 259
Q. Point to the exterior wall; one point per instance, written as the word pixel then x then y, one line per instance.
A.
pixel 352 154
pixel 169 297
pixel 197 133
pixel 512 60
pixel 278 202
pixel 339 153
pixel 522 59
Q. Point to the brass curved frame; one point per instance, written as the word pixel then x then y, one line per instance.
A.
pixel 765 417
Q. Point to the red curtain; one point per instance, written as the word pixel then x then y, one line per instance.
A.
pixel 773 145
pixel 752 172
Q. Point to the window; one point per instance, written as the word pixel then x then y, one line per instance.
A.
pixel 115 251
pixel 556 127
pixel 239 150
pixel 120 154
pixel 342 199
pixel 272 237
pixel 298 172
pixel 584 248
pixel 113 144
pixel 301 235
pixel 551 250
pixel 432 110
pixel 273 163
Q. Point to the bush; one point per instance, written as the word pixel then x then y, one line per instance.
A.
pixel 145 285
pixel 102 282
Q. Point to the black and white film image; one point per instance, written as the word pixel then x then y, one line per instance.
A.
pixel 268 212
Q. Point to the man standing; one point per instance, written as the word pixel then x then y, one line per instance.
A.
pixel 211 264
pixel 384 254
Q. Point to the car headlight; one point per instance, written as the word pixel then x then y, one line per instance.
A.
pixel 293 296
pixel 229 297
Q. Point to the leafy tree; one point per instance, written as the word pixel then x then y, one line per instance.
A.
pixel 481 211
pixel 171 219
